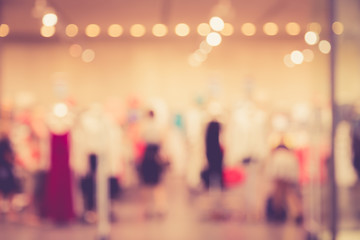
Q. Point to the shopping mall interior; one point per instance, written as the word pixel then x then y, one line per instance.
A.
pixel 178 119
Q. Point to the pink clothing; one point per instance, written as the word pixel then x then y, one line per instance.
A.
pixel 58 195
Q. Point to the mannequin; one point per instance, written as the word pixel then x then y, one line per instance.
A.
pixel 58 191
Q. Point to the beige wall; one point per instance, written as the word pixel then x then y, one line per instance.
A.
pixel 159 67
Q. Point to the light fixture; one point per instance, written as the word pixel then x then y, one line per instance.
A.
pixel 49 19
pixel 297 57
pixel 217 24
pixel 311 38
pixel 213 39
pixel 137 30
pixel 182 29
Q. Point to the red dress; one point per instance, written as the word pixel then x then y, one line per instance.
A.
pixel 58 195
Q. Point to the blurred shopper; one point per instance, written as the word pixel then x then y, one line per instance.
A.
pixel 152 167
pixel 9 185
pixel 212 176
pixel 284 202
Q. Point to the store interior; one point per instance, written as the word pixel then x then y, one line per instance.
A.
pixel 271 72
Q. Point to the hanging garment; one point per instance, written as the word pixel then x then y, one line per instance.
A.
pixel 58 196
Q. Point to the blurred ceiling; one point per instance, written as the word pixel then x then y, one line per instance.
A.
pixel 24 16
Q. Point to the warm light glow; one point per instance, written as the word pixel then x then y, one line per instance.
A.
pixel 115 30
pixel 200 55
pixel 137 30
pixel 4 30
pixel 311 38
pixel 159 30
pixel 248 29
pixel 182 29
pixel 213 39
pixel 204 46
pixel 314 27
pixel 270 29
pixel 88 55
pixel 60 110
pixel 47 31
pixel 297 57
pixel 75 50
pixel 71 30
pixel 193 62
pixel 293 28
pixel 308 55
pixel 288 62
pixel 228 30
pixel 338 28
pixel 217 24
pixel 92 30
pixel 203 29
pixel 324 46
pixel 49 19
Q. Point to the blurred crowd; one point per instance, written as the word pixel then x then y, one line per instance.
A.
pixel 51 159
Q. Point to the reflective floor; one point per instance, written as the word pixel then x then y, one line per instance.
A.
pixel 189 216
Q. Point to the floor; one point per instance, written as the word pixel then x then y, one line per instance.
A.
pixel 190 216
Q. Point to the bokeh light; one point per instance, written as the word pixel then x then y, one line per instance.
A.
pixel 324 46
pixel 314 27
pixel 4 30
pixel 49 19
pixel 248 29
pixel 213 39
pixel 71 30
pixel 270 28
pixel 115 30
pixel 217 24
pixel 338 28
pixel 293 28
pixel 182 29
pixel 159 30
pixel 308 55
pixel 311 38
pixel 204 46
pixel 92 30
pixel 288 62
pixel 88 55
pixel 228 30
pixel 47 31
pixel 60 110
pixel 137 30
pixel 297 57
pixel 203 29
pixel 75 50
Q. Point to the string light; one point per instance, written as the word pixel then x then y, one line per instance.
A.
pixel 248 29
pixel 213 39
pixel 115 30
pixel 292 28
pixel 47 31
pixel 182 29
pixel 92 30
pixel 4 30
pixel 311 38
pixel 217 24
pixel 297 57
pixel 71 30
pixel 324 46
pixel 270 29
pixel 203 29
pixel 228 29
pixel 49 19
pixel 159 30
pixel 338 28
pixel 137 30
